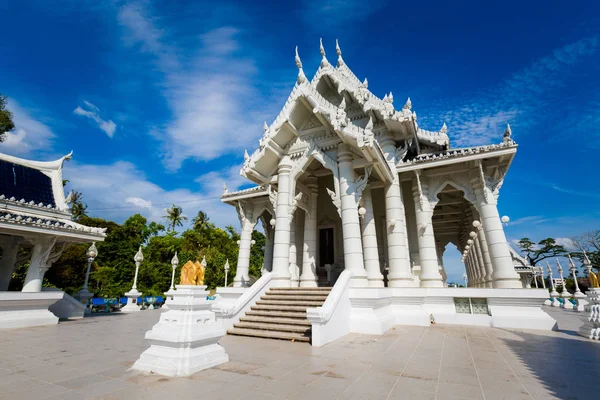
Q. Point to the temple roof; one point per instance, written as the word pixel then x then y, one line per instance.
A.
pixel 32 199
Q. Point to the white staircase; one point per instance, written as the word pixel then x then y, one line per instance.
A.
pixel 281 314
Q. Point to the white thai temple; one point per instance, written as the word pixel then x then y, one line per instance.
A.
pixel 36 222
pixel 353 194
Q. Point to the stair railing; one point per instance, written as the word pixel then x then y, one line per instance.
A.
pixel 230 313
pixel 331 321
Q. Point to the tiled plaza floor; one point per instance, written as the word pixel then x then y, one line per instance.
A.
pixel 88 359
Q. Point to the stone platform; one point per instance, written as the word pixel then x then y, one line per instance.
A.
pixel 89 359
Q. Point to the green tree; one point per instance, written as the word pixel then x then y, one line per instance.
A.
pixel 174 217
pixel 200 221
pixel 6 119
pixel 78 206
pixel 536 252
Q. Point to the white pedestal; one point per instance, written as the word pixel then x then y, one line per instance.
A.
pixel 567 305
pixel 168 297
pixel 184 341
pixel 23 310
pixel 591 318
pixel 132 305
pixel 84 296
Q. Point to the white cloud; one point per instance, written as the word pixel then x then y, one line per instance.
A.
pixel 93 113
pixel 208 91
pixel 531 220
pixel 138 202
pixel 30 134
pixel 118 190
pixel 338 12
pixel 566 243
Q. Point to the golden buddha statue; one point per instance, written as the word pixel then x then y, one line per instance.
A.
pixel 188 274
pixel 200 270
pixel 593 279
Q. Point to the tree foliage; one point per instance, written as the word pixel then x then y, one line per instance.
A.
pixel 6 119
pixel 174 216
pixel 536 252
pixel 113 270
pixel 590 243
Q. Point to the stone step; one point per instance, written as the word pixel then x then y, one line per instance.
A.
pixel 276 320
pixel 298 337
pixel 278 308
pixel 295 295
pixel 277 314
pixel 274 327
pixel 304 303
pixel 305 289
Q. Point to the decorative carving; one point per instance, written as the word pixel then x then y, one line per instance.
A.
pixel 338 51
pixel 506 138
pixel 335 199
pixel 401 152
pixel 313 122
pixel 408 105
pixel 420 190
pixel 301 75
pixel 361 182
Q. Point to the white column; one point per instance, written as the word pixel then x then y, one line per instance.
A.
pixel 489 270
pixel 43 256
pixel 398 259
pixel 504 275
pixel 430 268
pixel 294 278
pixel 309 249
pixel 468 270
pixel 10 249
pixel 369 237
pixel 353 254
pixel 268 252
pixel 480 263
pixel 247 221
pixel 473 268
pixel 281 246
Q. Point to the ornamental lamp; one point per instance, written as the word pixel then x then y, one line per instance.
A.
pixel 476 224
pixel 470 242
pixel 139 257
pixel 272 222
pixel 92 251
pixel 253 242
pixel 505 219
pixel 473 234
pixel 362 211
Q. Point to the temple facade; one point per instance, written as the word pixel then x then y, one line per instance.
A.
pixel 347 182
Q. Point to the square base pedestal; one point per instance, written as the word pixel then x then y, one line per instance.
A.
pixel 185 339
pixel 23 310
pixel 132 305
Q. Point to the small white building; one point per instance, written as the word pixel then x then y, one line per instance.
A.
pixel 348 185
pixel 34 214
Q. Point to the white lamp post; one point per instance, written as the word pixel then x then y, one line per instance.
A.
pixel 567 305
pixel 541 271
pixel 84 294
pixel 553 293
pixel 133 294
pixel 573 269
pixel 226 271
pixel 174 264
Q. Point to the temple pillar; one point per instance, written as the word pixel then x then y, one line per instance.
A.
pixel 294 276
pixel 10 249
pixel 487 262
pixel 430 268
pixel 247 221
pixel 309 249
pixel 504 275
pixel 281 242
pixel 353 254
pixel 268 251
pixel 398 260
pixel 369 240
pixel 43 255
pixel 480 264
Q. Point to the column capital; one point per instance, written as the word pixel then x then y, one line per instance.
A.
pixel 285 165
pixel 387 140
pixel 344 153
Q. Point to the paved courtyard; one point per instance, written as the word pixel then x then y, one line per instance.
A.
pixel 88 359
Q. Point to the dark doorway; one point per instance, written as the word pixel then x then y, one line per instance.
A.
pixel 326 253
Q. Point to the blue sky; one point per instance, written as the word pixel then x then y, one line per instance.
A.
pixel 159 99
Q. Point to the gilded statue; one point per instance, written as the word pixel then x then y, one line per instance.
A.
pixel 199 273
pixel 593 279
pixel 188 274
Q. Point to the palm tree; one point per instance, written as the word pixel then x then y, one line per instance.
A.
pixel 174 216
pixel 199 221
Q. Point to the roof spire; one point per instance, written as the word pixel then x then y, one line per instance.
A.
pixel 408 104
pixel 339 53
pixel 391 97
pixel 246 156
pixel 343 103
pixel 369 126
pixel 508 131
pixel 506 138
pixel 301 76
pixel 444 128
pixel 324 61
pixel 265 126
pixel 366 83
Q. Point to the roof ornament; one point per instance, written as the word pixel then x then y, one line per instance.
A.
pixel 407 105
pixel 246 156
pixel 366 83
pixel 391 97
pixel 386 99
pixel 265 126
pixel 369 126
pixel 414 115
pixel 506 138
pixel 444 128
pixel 301 76
pixel 338 51
pixel 225 190
pixel 324 61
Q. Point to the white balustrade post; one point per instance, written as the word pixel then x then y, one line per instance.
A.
pixel 398 259
pixel 281 246
pixel 369 236
pixel 553 293
pixel 353 254
pixel 567 305
pixel 309 249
